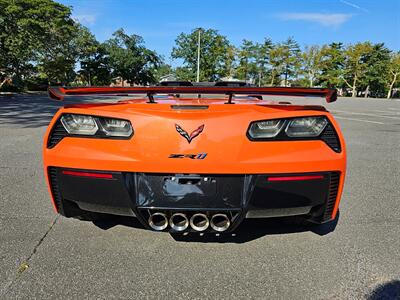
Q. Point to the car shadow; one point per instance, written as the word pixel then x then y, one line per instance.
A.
pixel 109 221
pixel 36 110
pixel 249 230
pixel 387 291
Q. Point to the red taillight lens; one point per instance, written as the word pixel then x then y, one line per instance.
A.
pixel 88 174
pixel 295 178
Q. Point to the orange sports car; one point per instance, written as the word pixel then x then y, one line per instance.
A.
pixel 181 157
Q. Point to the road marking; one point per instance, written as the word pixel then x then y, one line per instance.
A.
pixel 388 112
pixel 360 120
pixel 395 109
pixel 364 114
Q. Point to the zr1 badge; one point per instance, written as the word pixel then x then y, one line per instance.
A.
pixel 191 156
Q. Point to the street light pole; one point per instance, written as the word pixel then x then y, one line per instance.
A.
pixel 198 56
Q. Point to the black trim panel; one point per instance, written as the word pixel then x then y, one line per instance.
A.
pixel 251 196
pixel 285 198
pixel 96 194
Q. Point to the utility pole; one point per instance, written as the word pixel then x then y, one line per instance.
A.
pixel 198 56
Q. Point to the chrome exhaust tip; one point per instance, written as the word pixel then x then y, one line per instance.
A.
pixel 199 222
pixel 220 222
pixel 179 222
pixel 158 221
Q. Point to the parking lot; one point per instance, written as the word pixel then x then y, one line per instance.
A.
pixel 46 256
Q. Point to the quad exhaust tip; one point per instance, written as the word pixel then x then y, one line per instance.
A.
pixel 158 221
pixel 220 222
pixel 179 222
pixel 199 222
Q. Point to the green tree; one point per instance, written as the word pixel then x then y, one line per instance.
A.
pixel 332 61
pixel 355 65
pixel 277 63
pixel 213 54
pixel 262 59
pixel 291 59
pixel 93 59
pixel 58 59
pixel 230 61
pixel 311 63
pixel 184 74
pixel 95 68
pixel 130 59
pixel 246 55
pixel 284 59
pixel 377 62
pixel 393 74
pixel 28 29
pixel 253 61
pixel 162 70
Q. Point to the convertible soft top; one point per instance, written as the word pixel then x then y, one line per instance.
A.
pixel 58 93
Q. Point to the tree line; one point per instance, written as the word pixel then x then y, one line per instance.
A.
pixel 41 44
pixel 356 69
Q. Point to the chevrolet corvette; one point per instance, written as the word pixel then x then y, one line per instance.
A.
pixel 182 157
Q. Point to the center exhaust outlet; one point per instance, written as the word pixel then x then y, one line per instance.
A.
pixel 199 222
pixel 158 221
pixel 220 222
pixel 179 222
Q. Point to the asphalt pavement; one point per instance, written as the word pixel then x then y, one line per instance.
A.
pixel 45 256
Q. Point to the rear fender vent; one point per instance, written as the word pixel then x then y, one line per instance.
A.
pixel 56 135
pixel 55 190
pixel 332 195
pixel 330 137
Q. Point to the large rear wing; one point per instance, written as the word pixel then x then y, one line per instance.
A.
pixel 58 93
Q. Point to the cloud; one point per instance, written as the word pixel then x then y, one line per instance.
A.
pixel 354 5
pixel 85 19
pixel 324 19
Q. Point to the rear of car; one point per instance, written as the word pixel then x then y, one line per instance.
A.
pixel 195 164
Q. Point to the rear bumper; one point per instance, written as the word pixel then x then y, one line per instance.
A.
pixel 314 195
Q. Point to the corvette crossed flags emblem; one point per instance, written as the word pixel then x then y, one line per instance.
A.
pixel 188 137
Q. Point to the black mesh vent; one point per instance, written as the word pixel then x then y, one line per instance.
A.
pixel 55 191
pixel 330 137
pixel 57 134
pixel 333 191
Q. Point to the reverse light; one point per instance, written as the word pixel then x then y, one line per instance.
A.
pixel 79 124
pixel 266 129
pixel 306 127
pixel 116 127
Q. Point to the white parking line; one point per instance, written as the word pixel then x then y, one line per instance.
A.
pixel 388 112
pixel 392 108
pixel 360 120
pixel 364 114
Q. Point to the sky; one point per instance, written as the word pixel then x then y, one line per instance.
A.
pixel 310 22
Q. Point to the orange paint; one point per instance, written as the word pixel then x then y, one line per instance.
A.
pixel 223 138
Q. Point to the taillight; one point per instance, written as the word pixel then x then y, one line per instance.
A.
pixel 88 174
pixel 295 178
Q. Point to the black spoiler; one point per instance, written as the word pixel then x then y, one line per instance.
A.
pixel 58 93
